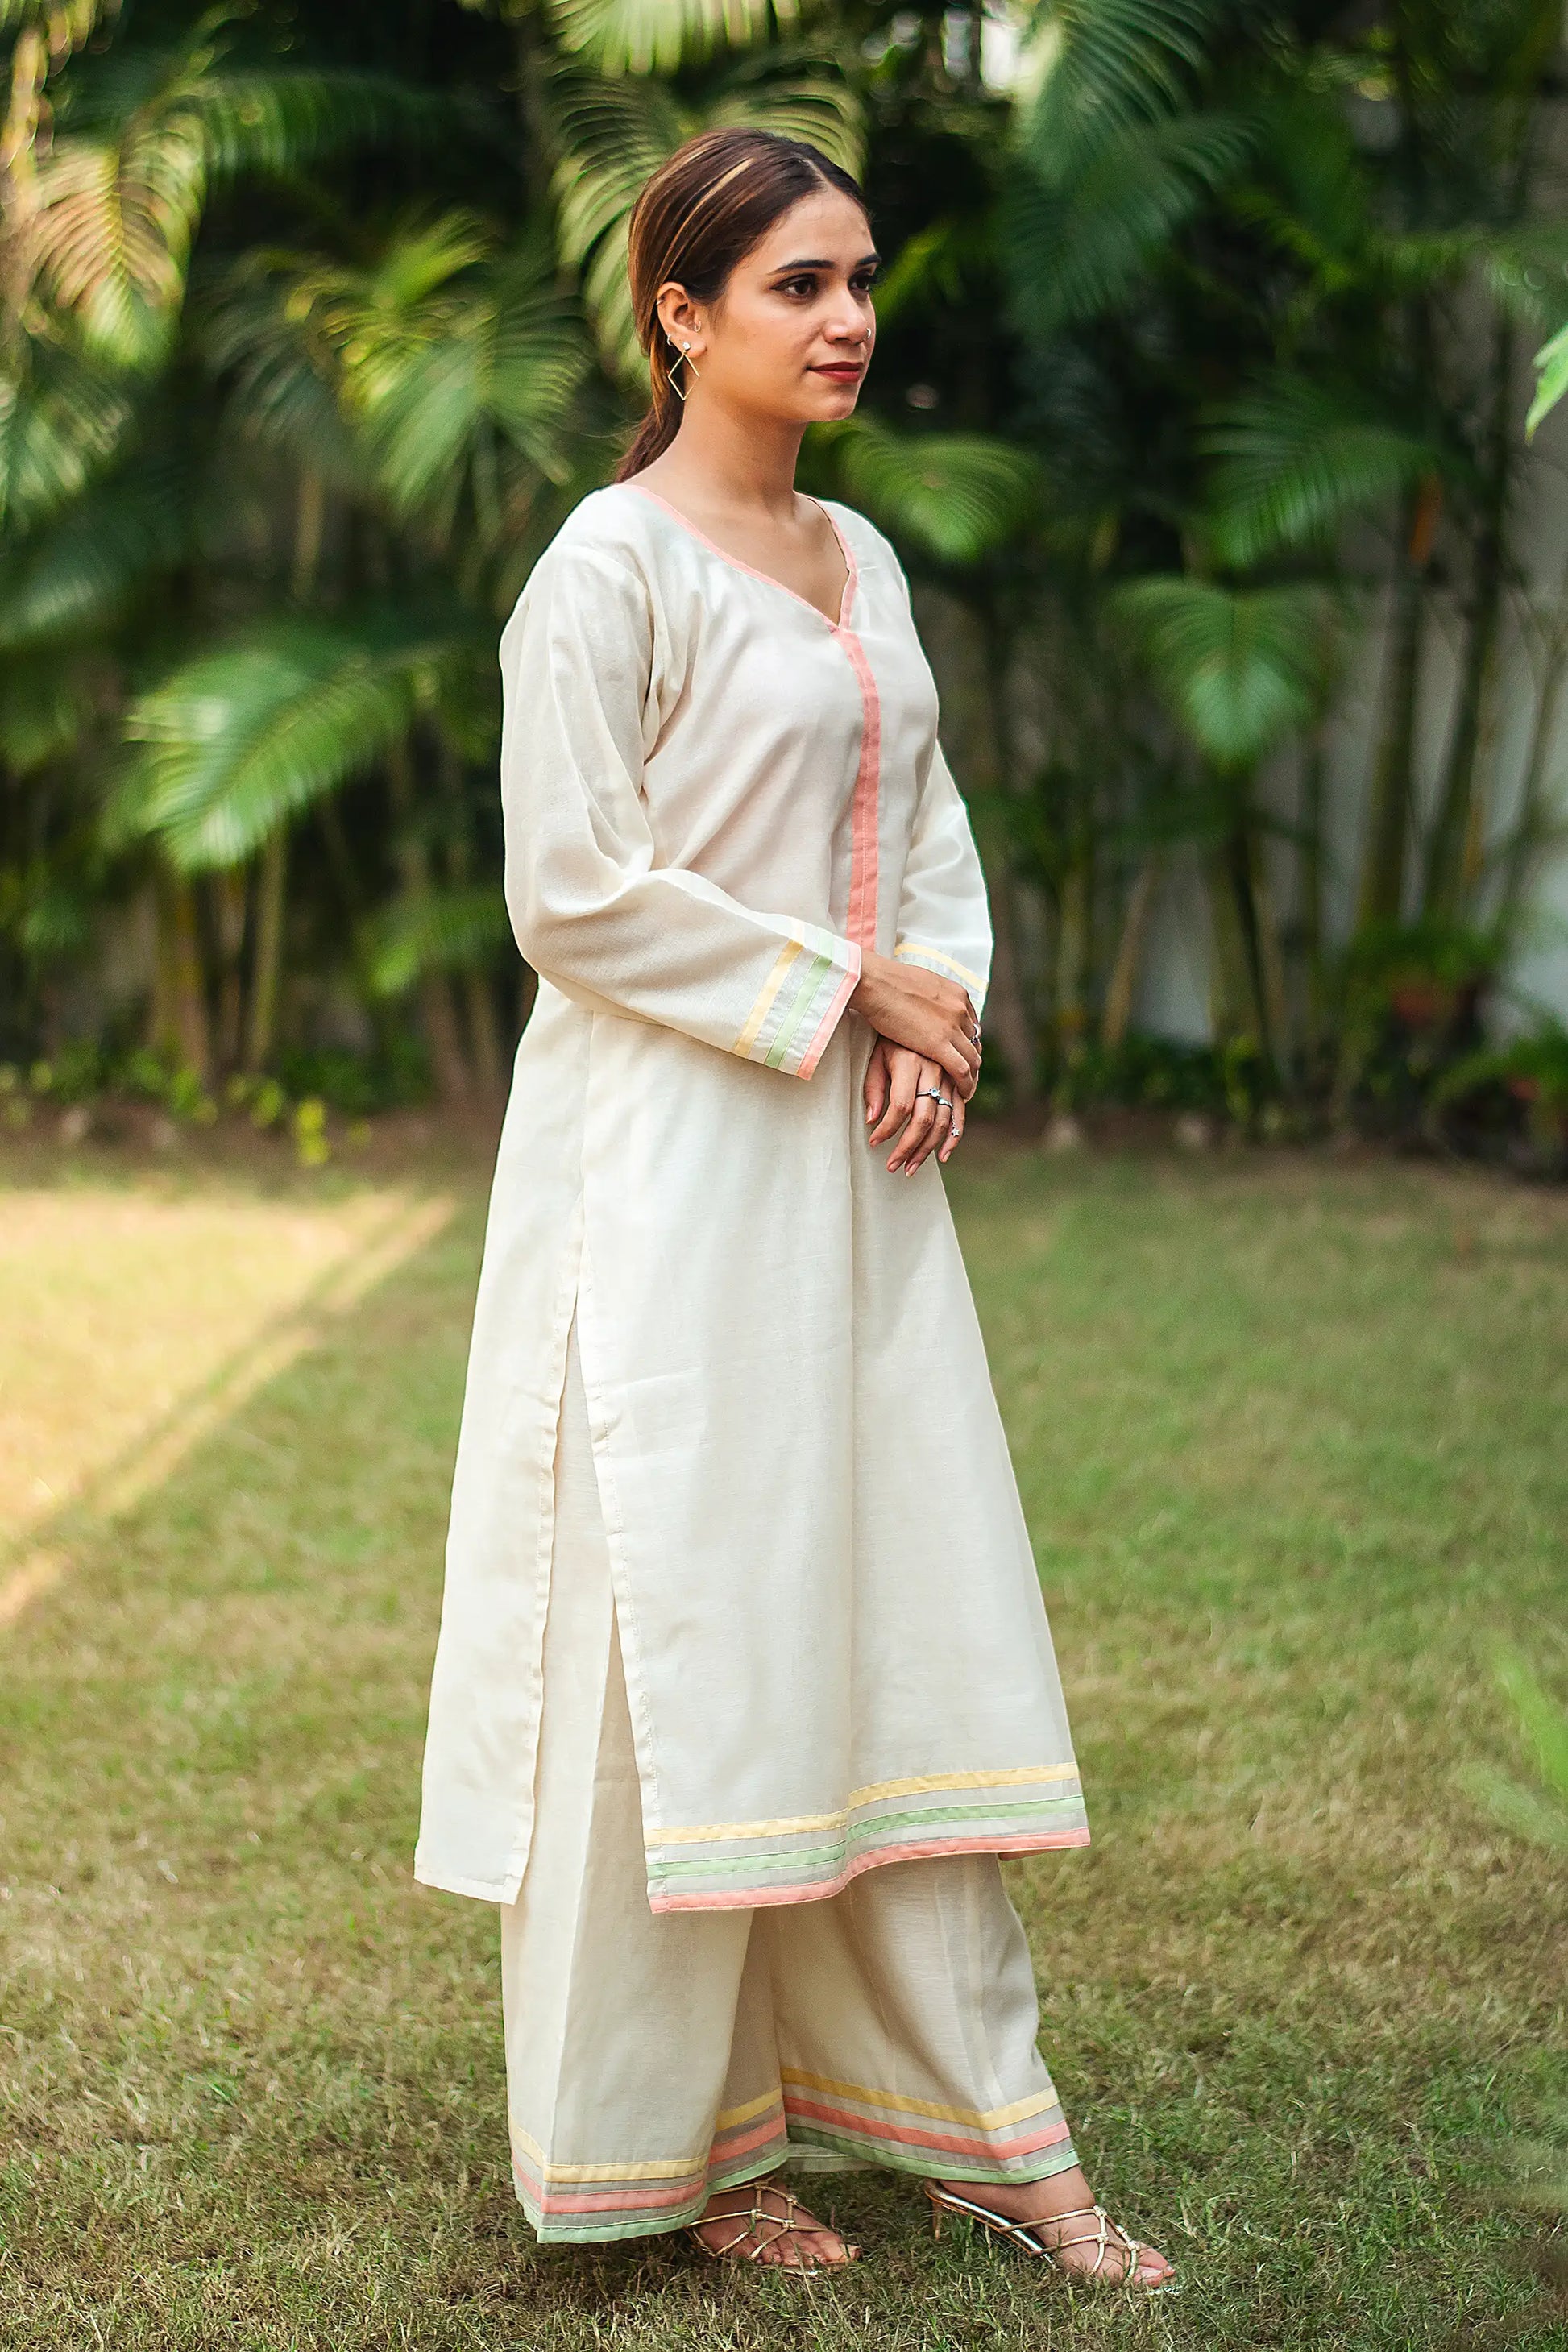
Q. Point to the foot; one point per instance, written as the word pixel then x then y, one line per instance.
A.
pixel 786 2236
pixel 1041 2202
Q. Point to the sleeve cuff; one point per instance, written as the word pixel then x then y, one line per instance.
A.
pixel 936 959
pixel 801 1001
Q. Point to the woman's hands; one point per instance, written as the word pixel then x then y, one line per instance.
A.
pixel 901 1091
pixel 933 1017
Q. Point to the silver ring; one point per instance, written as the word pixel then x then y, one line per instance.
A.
pixel 936 1093
pixel 945 1101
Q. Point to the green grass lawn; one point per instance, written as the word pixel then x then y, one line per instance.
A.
pixel 1291 1434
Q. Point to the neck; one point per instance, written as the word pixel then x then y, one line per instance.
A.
pixel 738 462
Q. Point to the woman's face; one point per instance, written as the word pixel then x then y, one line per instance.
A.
pixel 791 335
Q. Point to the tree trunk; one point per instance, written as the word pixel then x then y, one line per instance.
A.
pixel 1444 886
pixel 1381 896
pixel 1006 1011
pixel 229 895
pixel 267 959
pixel 1312 929
pixel 438 1008
pixel 1274 994
pixel 1529 826
pixel 1122 987
pixel 180 1028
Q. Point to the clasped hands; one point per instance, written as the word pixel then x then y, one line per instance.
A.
pixel 927 1044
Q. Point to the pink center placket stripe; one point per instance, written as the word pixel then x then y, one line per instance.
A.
pixel 863 827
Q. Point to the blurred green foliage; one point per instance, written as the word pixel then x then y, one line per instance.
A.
pixel 1204 350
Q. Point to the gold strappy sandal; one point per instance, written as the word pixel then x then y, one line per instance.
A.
pixel 755 2218
pixel 1106 2237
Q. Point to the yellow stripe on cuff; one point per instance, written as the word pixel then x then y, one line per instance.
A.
pixel 770 989
pixel 935 955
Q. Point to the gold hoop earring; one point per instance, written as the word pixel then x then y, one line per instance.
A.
pixel 683 359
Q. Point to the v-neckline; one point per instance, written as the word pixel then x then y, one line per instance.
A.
pixel 851 571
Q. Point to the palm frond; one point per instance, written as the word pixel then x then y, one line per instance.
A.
pixel 258 329
pixel 237 741
pixel 951 494
pixel 1239 668
pixel 146 132
pixel 61 420
pixel 111 234
pixel 437 930
pixel 640 36
pixel 46 706
pixel 1295 458
pixel 1074 253
pixel 492 354
pixel 609 137
pixel 1111 66
pixel 1551 379
pixel 78 573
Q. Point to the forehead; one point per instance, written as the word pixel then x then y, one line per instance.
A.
pixel 826 225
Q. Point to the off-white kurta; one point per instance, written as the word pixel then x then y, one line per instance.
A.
pixel 835 1646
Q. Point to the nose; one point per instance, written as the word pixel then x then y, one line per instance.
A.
pixel 848 328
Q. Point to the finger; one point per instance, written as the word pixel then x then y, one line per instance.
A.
pixel 956 1128
pixel 921 1115
pixel 876 1084
pixel 903 1081
pixel 937 1133
pixel 899 1105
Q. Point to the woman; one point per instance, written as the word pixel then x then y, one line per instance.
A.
pixel 744 1681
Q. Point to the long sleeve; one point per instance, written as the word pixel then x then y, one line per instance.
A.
pixel 593 912
pixel 944 920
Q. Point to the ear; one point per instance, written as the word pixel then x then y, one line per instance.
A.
pixel 682 319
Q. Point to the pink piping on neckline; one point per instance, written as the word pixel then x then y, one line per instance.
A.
pixel 863 841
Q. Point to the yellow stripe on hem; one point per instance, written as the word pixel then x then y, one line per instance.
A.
pixel 980 2119
pixel 1026 1775
pixel 913 948
pixel 770 989
pixel 733 2116
pixel 675 2167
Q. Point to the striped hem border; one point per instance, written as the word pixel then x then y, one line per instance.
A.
pixel 1024 2142
pixel 798 1862
pixel 798 1004
pixel 577 2204
pixel 587 2203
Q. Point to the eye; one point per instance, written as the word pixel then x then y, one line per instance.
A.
pixel 864 279
pixel 802 287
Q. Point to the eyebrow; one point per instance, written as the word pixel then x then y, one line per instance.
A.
pixel 782 269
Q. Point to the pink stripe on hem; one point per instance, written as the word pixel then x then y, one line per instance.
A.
pixel 738 2143
pixel 1003 2147
pixel 754 1898
pixel 623 2200
pixel 830 1020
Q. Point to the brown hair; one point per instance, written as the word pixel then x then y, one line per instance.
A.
pixel 701 214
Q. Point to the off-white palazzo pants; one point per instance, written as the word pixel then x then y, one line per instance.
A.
pixel 652 2058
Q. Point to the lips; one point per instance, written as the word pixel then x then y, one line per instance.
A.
pixel 843 372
